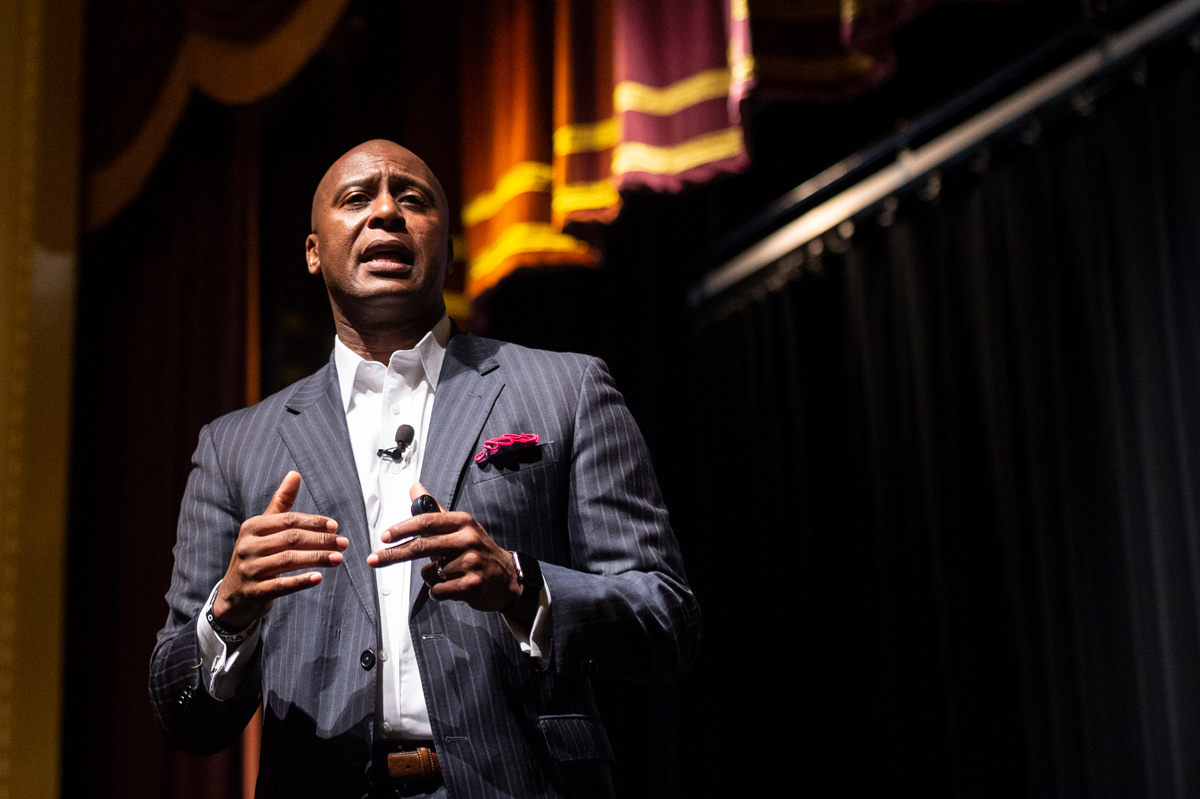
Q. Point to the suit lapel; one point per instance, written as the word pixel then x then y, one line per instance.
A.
pixel 467 389
pixel 317 438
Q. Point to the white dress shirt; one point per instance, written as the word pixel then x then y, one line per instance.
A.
pixel 377 400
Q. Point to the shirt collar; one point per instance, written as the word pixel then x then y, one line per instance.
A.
pixel 431 349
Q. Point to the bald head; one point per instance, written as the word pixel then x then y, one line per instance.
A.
pixel 376 150
pixel 381 241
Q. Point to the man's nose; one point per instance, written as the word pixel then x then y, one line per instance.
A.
pixel 385 212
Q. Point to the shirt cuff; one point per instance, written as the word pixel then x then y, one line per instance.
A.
pixel 223 665
pixel 535 641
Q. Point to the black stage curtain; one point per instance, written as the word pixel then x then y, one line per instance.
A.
pixel 950 544
pixel 160 351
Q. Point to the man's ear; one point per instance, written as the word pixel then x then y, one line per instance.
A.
pixel 449 256
pixel 312 255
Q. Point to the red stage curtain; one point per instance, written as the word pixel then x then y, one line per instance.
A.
pixel 145 58
pixel 566 104
pixel 160 350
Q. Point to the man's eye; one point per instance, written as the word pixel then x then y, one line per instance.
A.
pixel 412 199
pixel 357 198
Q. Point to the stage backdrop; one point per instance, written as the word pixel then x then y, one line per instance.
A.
pixel 964 558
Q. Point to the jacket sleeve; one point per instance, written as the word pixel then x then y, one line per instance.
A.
pixel 209 521
pixel 625 611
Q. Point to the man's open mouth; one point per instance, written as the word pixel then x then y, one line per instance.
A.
pixel 382 253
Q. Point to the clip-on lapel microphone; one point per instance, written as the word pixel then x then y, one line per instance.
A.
pixel 404 439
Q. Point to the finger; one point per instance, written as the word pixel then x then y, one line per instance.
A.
pixel 291 520
pixel 417 490
pixel 285 497
pixel 300 540
pixel 458 586
pixel 381 558
pixel 431 575
pixel 387 556
pixel 267 567
pixel 441 547
pixel 428 524
pixel 303 521
pixel 282 586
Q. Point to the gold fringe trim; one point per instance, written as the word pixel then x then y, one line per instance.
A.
pixel 584 197
pixel 715 146
pixel 523 237
pixel 707 85
pixel 230 73
pixel 741 68
pixel 586 137
pixel 523 177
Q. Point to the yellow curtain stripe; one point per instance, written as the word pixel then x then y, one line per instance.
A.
pixel 741 64
pixel 229 72
pixel 743 68
pixel 525 176
pixel 523 237
pixel 706 85
pixel 585 196
pixel 715 146
pixel 235 73
pixel 586 137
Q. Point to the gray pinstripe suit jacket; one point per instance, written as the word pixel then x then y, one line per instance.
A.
pixel 585 502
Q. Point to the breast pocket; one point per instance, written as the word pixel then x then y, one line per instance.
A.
pixel 509 463
pixel 517 497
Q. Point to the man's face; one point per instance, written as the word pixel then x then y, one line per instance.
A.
pixel 380 236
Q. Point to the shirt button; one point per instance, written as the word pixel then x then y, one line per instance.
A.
pixel 396 408
pixel 387 727
pixel 382 655
pixel 396 468
pixel 367 659
pixel 386 591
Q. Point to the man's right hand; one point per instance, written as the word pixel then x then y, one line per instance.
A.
pixel 267 547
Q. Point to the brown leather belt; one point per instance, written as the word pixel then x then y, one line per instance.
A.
pixel 414 768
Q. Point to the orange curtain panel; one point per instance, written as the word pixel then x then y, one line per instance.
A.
pixel 567 104
pixel 507 98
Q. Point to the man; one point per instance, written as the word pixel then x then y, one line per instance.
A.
pixel 417 655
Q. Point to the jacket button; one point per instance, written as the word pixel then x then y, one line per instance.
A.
pixel 367 659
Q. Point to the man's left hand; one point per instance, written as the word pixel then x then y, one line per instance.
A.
pixel 474 568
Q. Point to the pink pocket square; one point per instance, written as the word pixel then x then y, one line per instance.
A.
pixel 505 443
